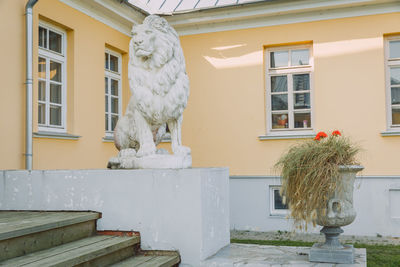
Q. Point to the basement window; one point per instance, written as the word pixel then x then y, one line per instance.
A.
pixel 277 208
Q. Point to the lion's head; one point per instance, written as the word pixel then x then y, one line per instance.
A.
pixel 153 42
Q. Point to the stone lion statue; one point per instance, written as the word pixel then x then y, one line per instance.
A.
pixel 160 90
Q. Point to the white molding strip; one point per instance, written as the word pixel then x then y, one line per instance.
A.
pixel 55 135
pixel 284 136
pixel 272 177
pixel 118 15
pixel 275 13
pixel 390 133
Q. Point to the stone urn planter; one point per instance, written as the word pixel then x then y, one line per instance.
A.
pixel 338 212
pixel 317 184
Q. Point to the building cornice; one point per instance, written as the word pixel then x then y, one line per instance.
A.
pixel 121 15
pixel 114 13
pixel 271 13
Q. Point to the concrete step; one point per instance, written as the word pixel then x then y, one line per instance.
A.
pixel 96 251
pixel 149 261
pixel 23 232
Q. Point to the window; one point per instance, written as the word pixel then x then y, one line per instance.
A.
pixel 393 81
pixel 289 89
pixel 51 79
pixel 276 204
pixel 113 98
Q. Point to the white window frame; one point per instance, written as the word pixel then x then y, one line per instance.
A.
pixel 273 211
pixel 60 58
pixel 109 74
pixel 390 62
pixel 289 71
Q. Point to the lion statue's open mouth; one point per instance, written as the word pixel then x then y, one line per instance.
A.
pixel 160 90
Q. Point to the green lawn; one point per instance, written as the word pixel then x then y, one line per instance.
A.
pixel 377 255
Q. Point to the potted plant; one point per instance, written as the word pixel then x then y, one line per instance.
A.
pixel 317 184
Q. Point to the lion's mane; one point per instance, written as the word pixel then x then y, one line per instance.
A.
pixel 161 77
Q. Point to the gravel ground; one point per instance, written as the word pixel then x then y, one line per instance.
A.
pixel 307 237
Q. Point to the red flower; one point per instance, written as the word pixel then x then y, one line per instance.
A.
pixel 336 133
pixel 320 135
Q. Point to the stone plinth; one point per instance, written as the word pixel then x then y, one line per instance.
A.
pixel 174 209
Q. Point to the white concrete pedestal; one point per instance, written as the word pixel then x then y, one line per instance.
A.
pixel 173 209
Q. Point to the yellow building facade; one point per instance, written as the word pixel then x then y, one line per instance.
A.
pixel 255 90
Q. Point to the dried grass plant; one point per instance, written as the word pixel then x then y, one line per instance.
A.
pixel 309 173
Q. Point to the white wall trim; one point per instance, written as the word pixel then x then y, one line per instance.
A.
pixel 118 16
pixel 121 16
pixel 273 177
pixel 270 14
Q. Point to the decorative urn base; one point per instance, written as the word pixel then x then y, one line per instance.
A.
pixel 332 250
pixel 339 212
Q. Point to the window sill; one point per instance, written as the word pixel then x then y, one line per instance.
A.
pixel 279 215
pixel 390 133
pixel 54 135
pixel 286 136
pixel 108 139
pixel 166 138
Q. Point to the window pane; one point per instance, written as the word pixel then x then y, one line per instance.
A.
pixel 279 102
pixel 114 105
pixel 302 120
pixel 279 59
pixel 106 65
pixel 395 116
pixel 55 71
pixel 113 63
pixel 394 76
pixel 106 85
pixel 279 83
pixel 42 114
pixel 278 203
pixel 42 90
pixel 106 124
pixel 55 42
pixel 114 119
pixel 42 37
pixel 55 93
pixel 300 57
pixel 395 95
pixel 302 101
pixel 42 68
pixel 394 48
pixel 106 103
pixel 55 115
pixel 301 82
pixel 114 87
pixel 280 121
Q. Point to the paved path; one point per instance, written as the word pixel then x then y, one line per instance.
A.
pixel 239 255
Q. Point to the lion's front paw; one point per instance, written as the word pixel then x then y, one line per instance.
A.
pixel 182 150
pixel 145 150
pixel 114 163
pixel 127 153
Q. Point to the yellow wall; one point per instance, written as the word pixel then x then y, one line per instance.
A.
pixel 12 94
pixel 87 39
pixel 226 110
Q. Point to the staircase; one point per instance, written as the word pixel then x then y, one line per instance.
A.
pixel 34 238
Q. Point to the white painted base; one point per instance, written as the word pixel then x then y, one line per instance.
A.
pixel 183 209
pixel 376 201
pixel 155 161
